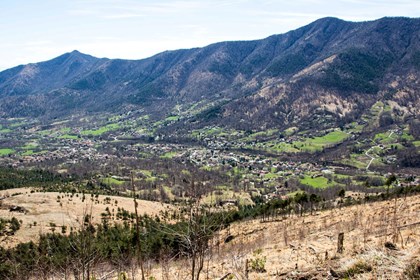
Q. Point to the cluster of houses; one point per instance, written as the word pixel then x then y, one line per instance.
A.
pixel 213 151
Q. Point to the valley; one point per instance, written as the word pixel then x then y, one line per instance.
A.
pixel 264 150
pixel 105 150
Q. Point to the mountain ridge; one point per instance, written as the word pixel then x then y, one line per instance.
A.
pixel 257 83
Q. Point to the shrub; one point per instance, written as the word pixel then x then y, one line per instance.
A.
pixel 257 263
pixel 14 224
pixel 358 267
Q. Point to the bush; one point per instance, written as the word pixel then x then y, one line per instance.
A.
pixel 14 224
pixel 9 226
pixel 358 267
pixel 257 263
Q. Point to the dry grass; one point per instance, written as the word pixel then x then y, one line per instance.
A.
pixel 45 209
pixel 306 246
pixel 295 247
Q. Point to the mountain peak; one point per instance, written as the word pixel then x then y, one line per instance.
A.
pixel 329 19
pixel 77 53
pixel 71 57
pixel 327 57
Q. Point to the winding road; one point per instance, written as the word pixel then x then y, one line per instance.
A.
pixel 372 157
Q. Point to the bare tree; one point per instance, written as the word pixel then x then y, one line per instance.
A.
pixel 138 242
pixel 200 227
pixel 197 227
pixel 83 246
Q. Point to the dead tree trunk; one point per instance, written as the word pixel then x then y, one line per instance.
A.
pixel 246 270
pixel 340 244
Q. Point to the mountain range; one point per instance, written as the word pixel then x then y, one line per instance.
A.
pixel 329 68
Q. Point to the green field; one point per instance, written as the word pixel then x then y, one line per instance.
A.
pixel 377 108
pixel 407 137
pixel 6 152
pixel 208 168
pixel 208 131
pixel 172 118
pixel 304 145
pixel 291 130
pixel 357 160
pixel 146 173
pixel 385 138
pixel 168 155
pixel 17 124
pixel 149 175
pixel 212 198
pixel 28 153
pixel 333 137
pixel 45 132
pixel 355 127
pixel 30 146
pixel 317 182
pixel 65 130
pixel 256 135
pixel 284 148
pixel 112 181
pixel 68 136
pixel 101 130
pixel 319 143
pixel 4 130
pixel 271 175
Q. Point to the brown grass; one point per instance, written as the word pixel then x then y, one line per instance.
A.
pixel 60 209
pixel 307 246
pixel 295 247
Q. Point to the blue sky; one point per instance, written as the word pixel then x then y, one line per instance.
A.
pixel 33 31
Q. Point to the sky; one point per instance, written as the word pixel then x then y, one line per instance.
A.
pixel 33 31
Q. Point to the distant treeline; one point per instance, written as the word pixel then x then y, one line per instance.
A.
pixel 17 178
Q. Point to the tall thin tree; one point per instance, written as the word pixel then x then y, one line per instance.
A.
pixel 137 239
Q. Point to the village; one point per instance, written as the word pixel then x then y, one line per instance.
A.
pixel 268 164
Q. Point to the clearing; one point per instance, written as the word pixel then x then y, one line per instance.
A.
pixel 48 211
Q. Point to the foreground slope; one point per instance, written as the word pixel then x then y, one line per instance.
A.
pixel 381 241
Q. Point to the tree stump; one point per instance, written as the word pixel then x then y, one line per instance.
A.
pixel 340 244
pixel 246 269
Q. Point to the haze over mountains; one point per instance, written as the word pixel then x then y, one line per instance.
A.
pixel 329 67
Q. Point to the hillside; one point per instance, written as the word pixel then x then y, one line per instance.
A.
pixel 381 241
pixel 48 212
pixel 329 67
